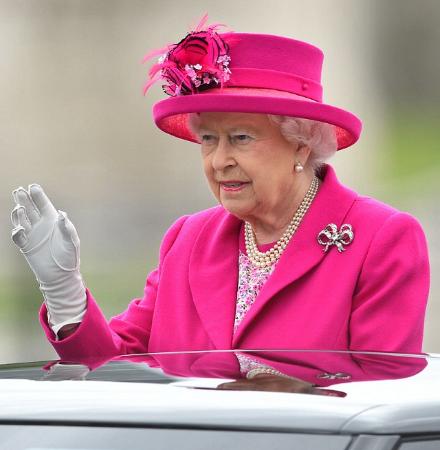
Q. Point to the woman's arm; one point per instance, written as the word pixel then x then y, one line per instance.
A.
pixel 390 299
pixel 126 333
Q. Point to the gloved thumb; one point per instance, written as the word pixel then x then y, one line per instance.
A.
pixel 19 236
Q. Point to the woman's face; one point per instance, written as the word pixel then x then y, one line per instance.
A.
pixel 248 163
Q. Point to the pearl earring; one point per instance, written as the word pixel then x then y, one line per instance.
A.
pixel 298 167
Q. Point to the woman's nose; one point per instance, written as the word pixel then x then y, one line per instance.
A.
pixel 223 155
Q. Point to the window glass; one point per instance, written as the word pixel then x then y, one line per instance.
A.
pixel 421 445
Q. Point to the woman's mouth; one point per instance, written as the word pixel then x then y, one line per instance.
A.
pixel 233 185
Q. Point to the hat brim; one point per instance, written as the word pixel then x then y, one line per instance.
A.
pixel 171 114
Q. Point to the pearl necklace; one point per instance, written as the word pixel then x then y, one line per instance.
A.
pixel 266 259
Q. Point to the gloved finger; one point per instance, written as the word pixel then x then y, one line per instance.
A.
pixel 14 215
pixel 22 197
pixel 67 229
pixel 19 237
pixel 19 218
pixel 41 200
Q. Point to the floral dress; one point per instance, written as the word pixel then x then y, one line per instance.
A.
pixel 250 281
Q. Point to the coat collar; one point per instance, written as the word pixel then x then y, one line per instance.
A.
pixel 213 270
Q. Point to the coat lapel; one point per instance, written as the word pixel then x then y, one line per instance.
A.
pixel 213 276
pixel 331 205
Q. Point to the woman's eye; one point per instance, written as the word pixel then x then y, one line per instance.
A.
pixel 242 138
pixel 207 138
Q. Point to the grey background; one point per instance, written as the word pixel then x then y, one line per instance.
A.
pixel 73 118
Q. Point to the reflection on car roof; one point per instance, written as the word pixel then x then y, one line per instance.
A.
pixel 383 393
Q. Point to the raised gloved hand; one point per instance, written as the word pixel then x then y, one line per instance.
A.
pixel 50 244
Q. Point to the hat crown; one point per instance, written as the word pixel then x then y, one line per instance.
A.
pixel 271 52
pixel 274 62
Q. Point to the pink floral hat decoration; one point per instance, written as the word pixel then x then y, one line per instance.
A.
pixel 208 71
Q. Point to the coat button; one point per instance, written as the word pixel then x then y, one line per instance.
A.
pixel 334 376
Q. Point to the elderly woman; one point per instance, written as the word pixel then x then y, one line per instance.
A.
pixel 290 258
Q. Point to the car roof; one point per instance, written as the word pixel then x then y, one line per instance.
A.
pixel 146 396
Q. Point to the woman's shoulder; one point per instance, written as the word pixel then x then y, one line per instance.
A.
pixel 364 211
pixel 187 228
pixel 198 219
pixel 377 214
pixel 376 209
pixel 194 222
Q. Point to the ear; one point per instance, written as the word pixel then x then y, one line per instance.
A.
pixel 302 153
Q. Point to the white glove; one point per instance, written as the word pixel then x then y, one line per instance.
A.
pixel 50 244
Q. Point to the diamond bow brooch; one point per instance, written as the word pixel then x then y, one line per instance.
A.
pixel 330 235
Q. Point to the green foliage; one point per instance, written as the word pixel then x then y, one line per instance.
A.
pixel 412 146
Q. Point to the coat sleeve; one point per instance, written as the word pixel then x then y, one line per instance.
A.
pixel 392 291
pixel 126 333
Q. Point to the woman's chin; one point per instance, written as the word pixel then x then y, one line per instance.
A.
pixel 235 208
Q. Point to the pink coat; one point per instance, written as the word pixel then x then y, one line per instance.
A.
pixel 372 296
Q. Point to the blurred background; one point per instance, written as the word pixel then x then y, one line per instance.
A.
pixel 73 119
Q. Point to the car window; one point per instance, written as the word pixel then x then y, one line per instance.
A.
pixel 432 444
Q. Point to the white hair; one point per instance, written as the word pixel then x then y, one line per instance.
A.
pixel 320 137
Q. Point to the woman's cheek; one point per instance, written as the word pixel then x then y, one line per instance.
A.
pixel 207 169
pixel 216 190
pixel 214 186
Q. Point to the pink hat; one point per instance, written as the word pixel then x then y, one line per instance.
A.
pixel 243 72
